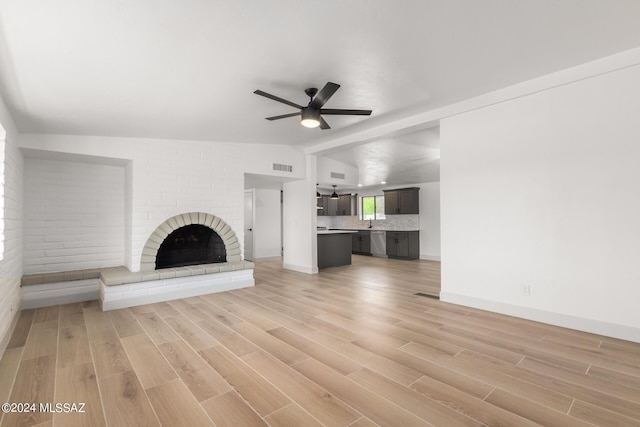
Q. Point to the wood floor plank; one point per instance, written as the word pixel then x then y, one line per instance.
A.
pixel 537 413
pixel 42 340
pixel 317 351
pixel 126 401
pixel 190 332
pixel 73 346
pixel 360 398
pixel 384 366
pixel 8 369
pixel 175 406
pixel 601 417
pixel 427 409
pixel 100 329
pixel 156 327
pixel 77 384
pixel 199 377
pixel 71 315
pixel 268 342
pixel 34 383
pixel 45 314
pixel 109 358
pixel 447 376
pixel 292 416
pixel 263 397
pixel 230 410
pixel 164 309
pixel 125 323
pixel 235 342
pixel 317 401
pixel 149 364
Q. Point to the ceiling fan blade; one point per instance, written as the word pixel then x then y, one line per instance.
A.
pixel 276 98
pixel 324 125
pixel 345 112
pixel 323 96
pixel 284 116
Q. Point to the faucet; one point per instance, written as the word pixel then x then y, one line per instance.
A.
pixel 370 225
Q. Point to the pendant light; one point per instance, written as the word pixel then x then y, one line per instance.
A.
pixel 334 196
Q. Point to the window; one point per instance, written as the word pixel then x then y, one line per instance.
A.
pixel 372 207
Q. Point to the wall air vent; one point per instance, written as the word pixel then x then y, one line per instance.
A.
pixel 282 168
pixel 337 175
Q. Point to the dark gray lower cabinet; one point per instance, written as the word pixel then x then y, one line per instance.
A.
pixel 403 244
pixel 334 250
pixel 361 244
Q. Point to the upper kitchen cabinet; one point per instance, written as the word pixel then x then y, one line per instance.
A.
pixel 345 204
pixel 401 201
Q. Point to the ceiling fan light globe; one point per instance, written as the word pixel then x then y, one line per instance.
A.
pixel 310 123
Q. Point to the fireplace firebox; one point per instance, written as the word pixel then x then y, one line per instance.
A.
pixel 191 245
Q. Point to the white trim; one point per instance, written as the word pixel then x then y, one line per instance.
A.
pixel 430 257
pixel 268 258
pixel 300 269
pixel 140 293
pixel 564 320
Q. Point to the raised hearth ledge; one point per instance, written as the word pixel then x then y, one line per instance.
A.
pixel 121 289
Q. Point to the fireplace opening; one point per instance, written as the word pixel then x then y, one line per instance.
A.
pixel 191 245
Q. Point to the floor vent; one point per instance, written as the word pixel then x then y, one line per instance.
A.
pixel 282 168
pixel 420 294
pixel 337 175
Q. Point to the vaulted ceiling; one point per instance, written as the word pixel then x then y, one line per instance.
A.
pixel 187 69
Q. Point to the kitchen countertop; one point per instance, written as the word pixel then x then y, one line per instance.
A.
pixel 369 229
pixel 336 231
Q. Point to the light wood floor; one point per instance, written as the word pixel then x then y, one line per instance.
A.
pixel 351 346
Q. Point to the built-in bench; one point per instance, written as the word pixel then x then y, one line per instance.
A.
pixel 117 287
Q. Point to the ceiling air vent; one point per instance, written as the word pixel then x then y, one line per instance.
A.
pixel 337 175
pixel 282 168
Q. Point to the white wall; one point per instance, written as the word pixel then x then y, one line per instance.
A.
pixel 74 215
pixel 168 177
pixel 300 221
pixel 267 235
pixel 11 195
pixel 326 165
pixel 429 220
pixel 544 191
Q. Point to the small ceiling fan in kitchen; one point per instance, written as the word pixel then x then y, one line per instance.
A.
pixel 311 115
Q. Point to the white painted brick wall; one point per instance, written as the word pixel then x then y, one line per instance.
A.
pixel 74 215
pixel 11 263
pixel 168 177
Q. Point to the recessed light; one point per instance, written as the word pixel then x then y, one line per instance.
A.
pixel 359 185
pixel 383 182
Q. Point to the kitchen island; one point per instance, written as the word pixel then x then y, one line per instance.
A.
pixel 334 248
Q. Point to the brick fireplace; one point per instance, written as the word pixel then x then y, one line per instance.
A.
pixel 181 222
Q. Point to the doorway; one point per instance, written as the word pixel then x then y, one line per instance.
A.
pixel 248 224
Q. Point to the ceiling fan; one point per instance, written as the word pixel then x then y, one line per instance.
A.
pixel 312 113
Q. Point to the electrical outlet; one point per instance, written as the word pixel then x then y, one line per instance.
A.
pixel 526 290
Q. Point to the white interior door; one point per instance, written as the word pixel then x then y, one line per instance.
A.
pixel 248 225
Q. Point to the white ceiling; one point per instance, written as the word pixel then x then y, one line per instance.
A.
pixel 187 69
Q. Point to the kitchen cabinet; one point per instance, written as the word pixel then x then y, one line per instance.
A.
pixel 401 201
pixel 361 243
pixel 344 205
pixel 403 244
pixel 329 206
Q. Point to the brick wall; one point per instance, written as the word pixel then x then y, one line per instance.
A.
pixel 11 262
pixel 164 178
pixel 74 215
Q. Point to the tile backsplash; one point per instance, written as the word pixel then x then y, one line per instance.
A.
pixel 392 222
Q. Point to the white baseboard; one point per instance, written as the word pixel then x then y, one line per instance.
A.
pixel 268 258
pixel 132 294
pixel 48 294
pixel 300 269
pixel 558 319
pixel 430 257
